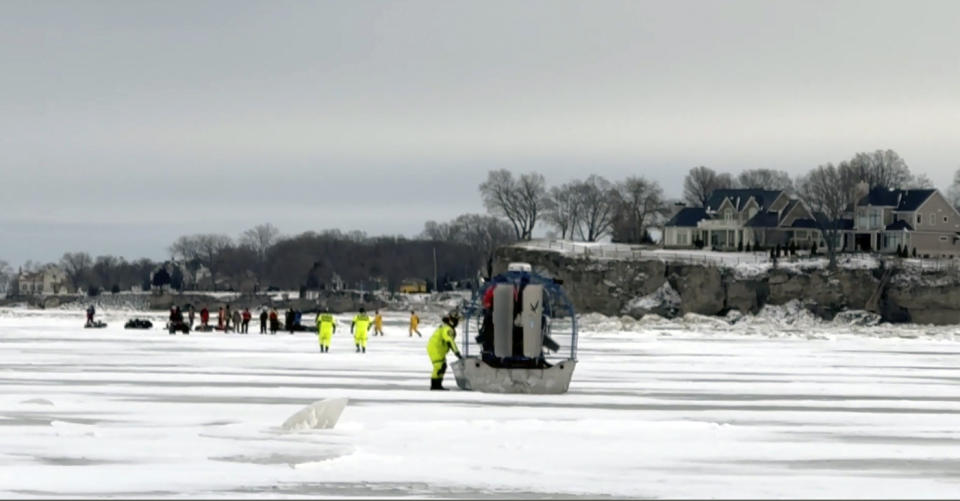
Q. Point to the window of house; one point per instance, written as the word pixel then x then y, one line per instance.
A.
pixel 944 219
pixel 874 219
pixel 933 218
pixel 727 215
pixel 919 217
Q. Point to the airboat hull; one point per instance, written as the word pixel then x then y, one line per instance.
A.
pixel 474 374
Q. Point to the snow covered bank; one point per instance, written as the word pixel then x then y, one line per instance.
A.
pixel 674 283
pixel 679 409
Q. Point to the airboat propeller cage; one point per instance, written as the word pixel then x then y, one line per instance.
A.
pixel 516 362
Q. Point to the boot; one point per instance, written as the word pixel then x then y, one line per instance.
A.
pixel 437 384
pixel 358 348
pixel 364 349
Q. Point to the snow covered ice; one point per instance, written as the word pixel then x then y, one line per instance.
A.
pixel 778 405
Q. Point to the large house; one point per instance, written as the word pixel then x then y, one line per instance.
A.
pixel 44 282
pixel 885 220
pixel 734 218
pixel 882 220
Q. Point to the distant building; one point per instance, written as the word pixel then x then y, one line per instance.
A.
pixel 413 285
pixel 733 218
pixel 47 281
pixel 885 219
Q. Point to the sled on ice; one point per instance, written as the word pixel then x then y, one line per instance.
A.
pixel 138 323
pixel 527 336
pixel 94 325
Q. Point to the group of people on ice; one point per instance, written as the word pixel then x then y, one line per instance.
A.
pixel 237 320
pixel 440 343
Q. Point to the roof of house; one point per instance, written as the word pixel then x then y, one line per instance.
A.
pixel 804 223
pixel 899 225
pixel 688 216
pixel 913 199
pixel 764 220
pixel 824 221
pixel 740 196
pixel 901 200
pixel 771 219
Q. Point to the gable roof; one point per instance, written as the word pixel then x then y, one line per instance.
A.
pixel 900 200
pixel 740 196
pixel 913 199
pixel 804 223
pixel 764 220
pixel 899 225
pixel 687 216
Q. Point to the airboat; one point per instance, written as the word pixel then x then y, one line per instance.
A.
pixel 526 338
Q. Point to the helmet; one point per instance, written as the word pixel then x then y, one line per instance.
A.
pixel 452 319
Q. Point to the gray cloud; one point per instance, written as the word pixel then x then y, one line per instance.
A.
pixel 173 117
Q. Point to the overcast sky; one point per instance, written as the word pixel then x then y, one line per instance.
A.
pixel 126 124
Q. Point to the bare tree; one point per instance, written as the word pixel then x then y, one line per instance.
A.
pixel 103 269
pixel 76 265
pixel 880 168
pixel 641 203
pixel 205 249
pixel 829 193
pixel 701 182
pixel 521 200
pixel 260 238
pixel 953 193
pixel 563 209
pixel 598 200
pixel 439 232
pixel 483 233
pixel 920 182
pixel 767 179
pixel 6 276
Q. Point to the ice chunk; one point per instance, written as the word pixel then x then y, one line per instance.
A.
pixel 38 401
pixel 322 414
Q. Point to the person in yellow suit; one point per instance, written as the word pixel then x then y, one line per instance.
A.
pixel 414 322
pixel 439 344
pixel 377 324
pixel 326 326
pixel 358 328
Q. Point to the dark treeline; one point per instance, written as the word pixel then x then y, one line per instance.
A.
pixel 454 254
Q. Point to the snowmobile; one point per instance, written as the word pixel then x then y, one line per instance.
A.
pixel 94 325
pixel 138 323
pixel 520 316
pixel 181 326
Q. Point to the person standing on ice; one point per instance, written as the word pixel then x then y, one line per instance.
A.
pixel 263 321
pixel 274 321
pixel 358 328
pixel 227 316
pixel 326 326
pixel 204 316
pixel 439 344
pixel 414 322
pixel 190 315
pixel 237 320
pixel 377 323
pixel 246 321
pixel 220 317
pixel 91 311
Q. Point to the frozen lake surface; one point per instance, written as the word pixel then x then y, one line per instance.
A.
pixel 670 409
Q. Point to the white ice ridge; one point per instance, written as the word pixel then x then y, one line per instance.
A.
pixel 322 414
